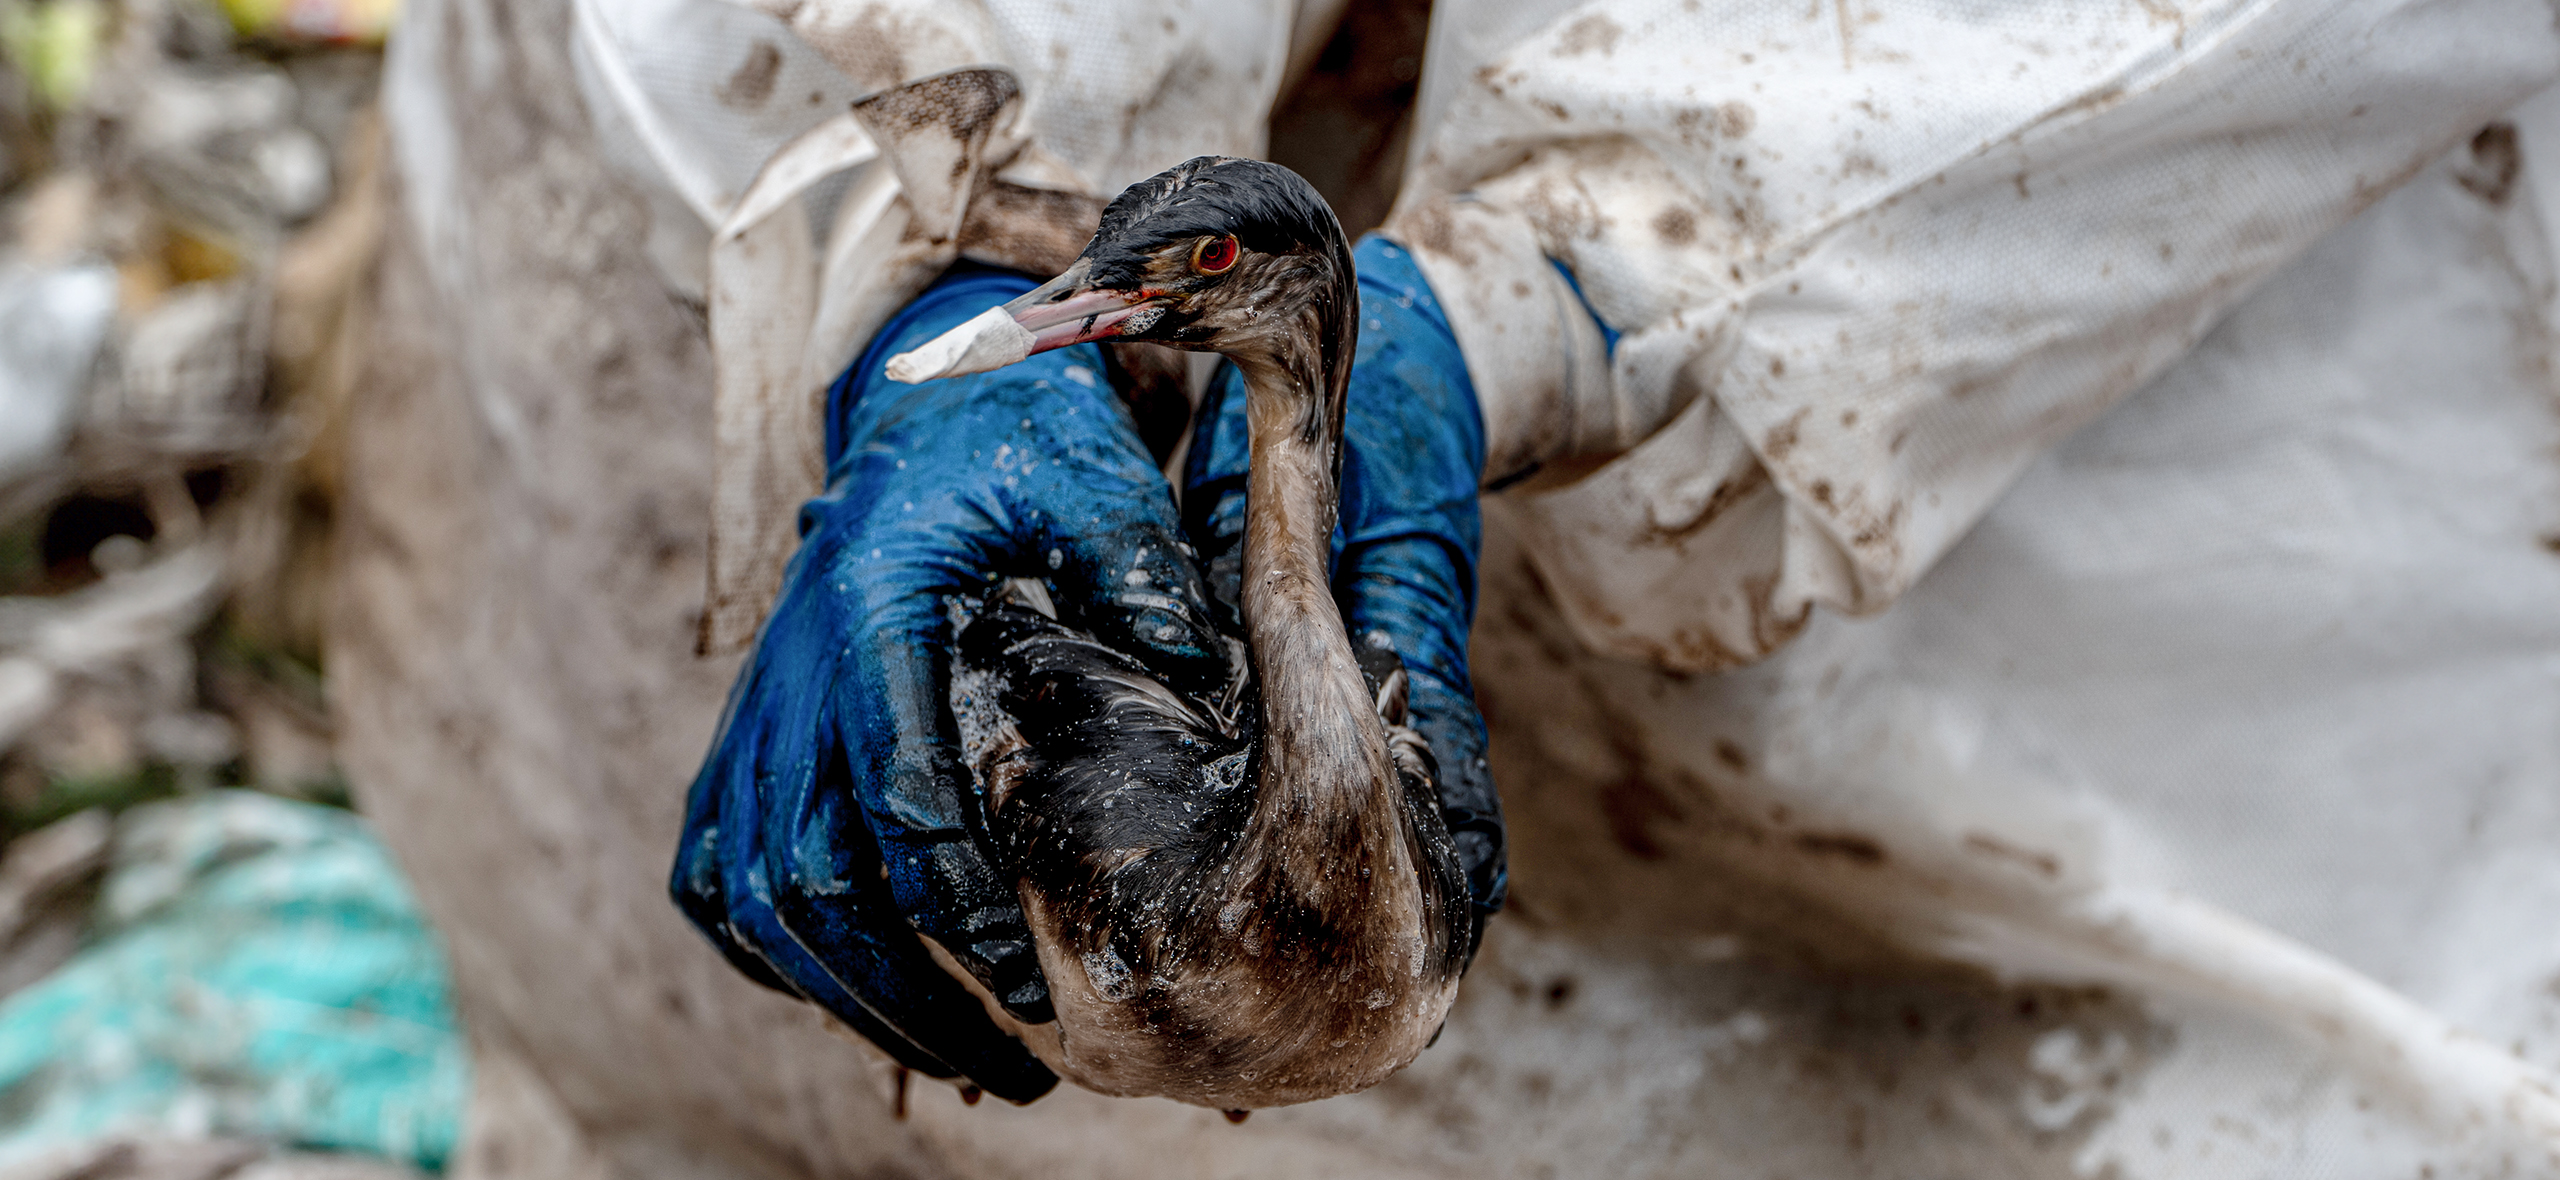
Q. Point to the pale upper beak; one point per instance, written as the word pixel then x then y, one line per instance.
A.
pixel 1058 313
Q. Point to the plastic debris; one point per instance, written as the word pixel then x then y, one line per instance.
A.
pixel 226 148
pixel 88 633
pixel 258 971
pixel 191 370
pixel 52 323
pixel 47 882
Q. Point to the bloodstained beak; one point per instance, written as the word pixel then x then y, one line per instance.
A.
pixel 1058 313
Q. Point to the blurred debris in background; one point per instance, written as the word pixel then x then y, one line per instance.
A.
pixel 189 211
pixel 255 969
pixel 307 22
pixel 145 1158
pixel 191 215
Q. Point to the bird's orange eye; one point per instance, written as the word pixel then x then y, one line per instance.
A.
pixel 1215 256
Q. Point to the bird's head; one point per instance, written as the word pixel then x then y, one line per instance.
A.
pixel 1239 257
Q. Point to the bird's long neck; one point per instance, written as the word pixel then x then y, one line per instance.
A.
pixel 1326 778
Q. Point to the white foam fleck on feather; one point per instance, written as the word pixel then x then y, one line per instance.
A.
pixel 1224 774
pixel 1109 976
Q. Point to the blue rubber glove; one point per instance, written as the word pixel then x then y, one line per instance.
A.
pixel 1405 548
pixel 834 820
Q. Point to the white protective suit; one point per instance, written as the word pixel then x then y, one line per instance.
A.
pixel 2197 813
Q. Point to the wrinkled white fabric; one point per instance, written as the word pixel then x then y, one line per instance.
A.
pixel 743 115
pixel 1868 261
pixel 2240 698
pixel 2243 697
pixel 694 98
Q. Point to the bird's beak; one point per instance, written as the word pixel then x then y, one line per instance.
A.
pixel 1058 313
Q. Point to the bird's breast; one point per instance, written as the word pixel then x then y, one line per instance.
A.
pixel 1197 945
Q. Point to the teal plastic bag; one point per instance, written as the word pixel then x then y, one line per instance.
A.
pixel 258 970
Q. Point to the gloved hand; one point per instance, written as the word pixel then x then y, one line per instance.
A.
pixel 834 820
pixel 1405 547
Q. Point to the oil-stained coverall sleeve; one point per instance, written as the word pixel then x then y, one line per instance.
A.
pixel 1767 302
pixel 814 164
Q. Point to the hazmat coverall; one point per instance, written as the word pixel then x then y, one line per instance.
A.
pixel 2193 815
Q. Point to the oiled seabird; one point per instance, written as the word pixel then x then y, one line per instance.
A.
pixel 1241 901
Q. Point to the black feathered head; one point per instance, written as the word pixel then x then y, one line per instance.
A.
pixel 1222 255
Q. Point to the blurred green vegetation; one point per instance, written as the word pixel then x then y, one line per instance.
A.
pixel 54 45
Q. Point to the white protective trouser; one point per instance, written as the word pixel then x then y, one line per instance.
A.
pixel 2179 376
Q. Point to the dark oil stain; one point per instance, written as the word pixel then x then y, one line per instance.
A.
pixel 747 88
pixel 2496 159
pixel 1632 806
pixel 1719 502
pixel 1849 846
pixel 1539 1088
pixel 1593 32
pixel 1782 437
pixel 1431 229
pixel 1560 992
pixel 1676 226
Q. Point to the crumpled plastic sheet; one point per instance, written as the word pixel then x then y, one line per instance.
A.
pixel 258 970
pixel 52 324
